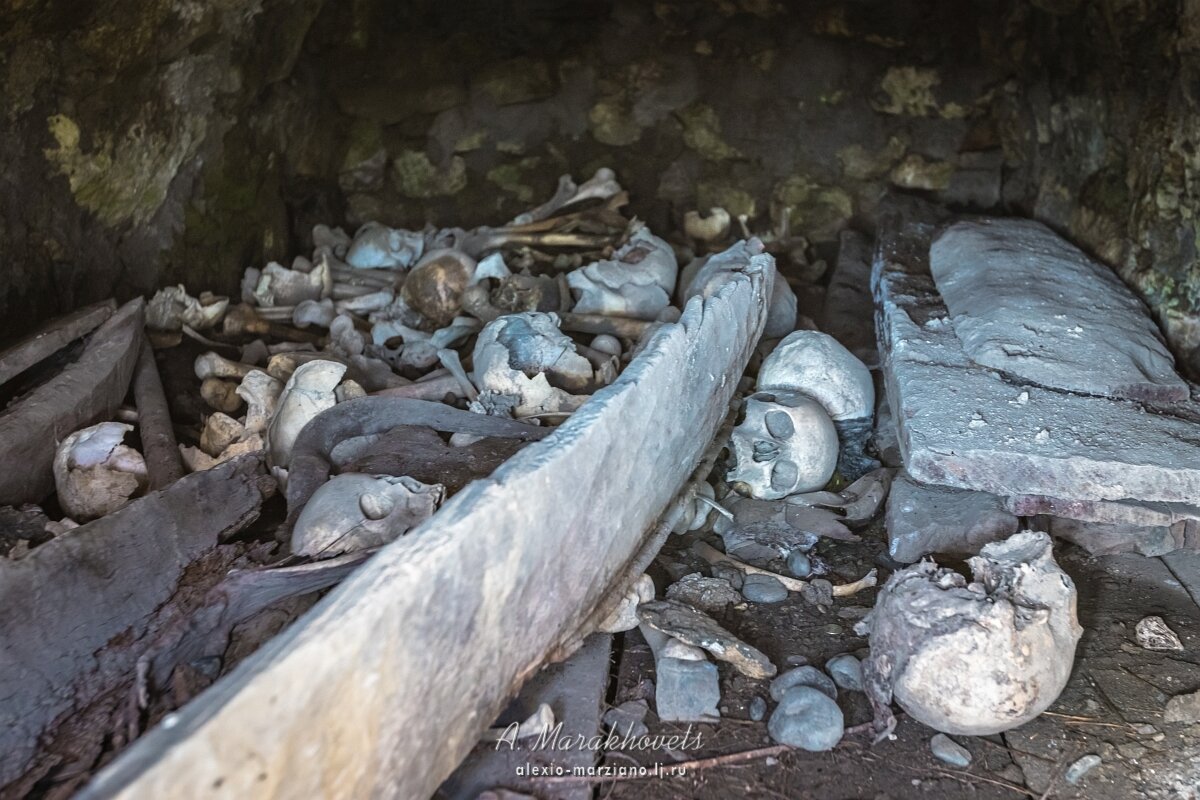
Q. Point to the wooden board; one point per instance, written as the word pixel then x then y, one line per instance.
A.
pixel 68 600
pixel 84 392
pixel 385 685
pixel 52 337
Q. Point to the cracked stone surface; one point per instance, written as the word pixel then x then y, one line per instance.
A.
pixel 925 519
pixel 967 426
pixel 1025 301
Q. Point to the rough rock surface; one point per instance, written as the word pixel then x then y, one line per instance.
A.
pixel 923 519
pixel 1025 301
pixel 966 426
pixel 692 627
pixel 848 304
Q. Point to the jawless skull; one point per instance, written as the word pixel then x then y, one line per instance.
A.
pixel 785 445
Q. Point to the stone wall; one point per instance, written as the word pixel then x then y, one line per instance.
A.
pixel 177 141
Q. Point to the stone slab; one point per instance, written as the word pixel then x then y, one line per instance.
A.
pixel 1025 301
pixel 970 427
pixel 1110 512
pixel 848 315
pixel 923 519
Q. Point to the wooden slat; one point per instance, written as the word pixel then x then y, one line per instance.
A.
pixel 385 685
pixel 86 391
pixel 52 337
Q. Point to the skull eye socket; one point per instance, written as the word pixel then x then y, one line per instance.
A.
pixel 779 424
pixel 784 475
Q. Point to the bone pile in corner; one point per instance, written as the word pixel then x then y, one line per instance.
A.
pixel 1025 380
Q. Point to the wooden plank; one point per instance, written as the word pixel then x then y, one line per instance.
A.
pixel 52 337
pixel 383 687
pixel 69 599
pixel 86 391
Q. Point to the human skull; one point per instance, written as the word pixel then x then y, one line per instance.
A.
pixel 525 357
pixel 818 365
pixel 353 512
pixel 94 473
pixel 786 445
pixel 974 658
pixel 636 282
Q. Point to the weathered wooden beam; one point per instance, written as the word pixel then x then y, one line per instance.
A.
pixel 86 391
pixel 52 337
pixel 75 607
pixel 382 688
pixel 163 464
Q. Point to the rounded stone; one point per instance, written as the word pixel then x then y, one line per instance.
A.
pixel 808 676
pixel 757 709
pixel 846 671
pixel 763 589
pixel 949 751
pixel 807 719
pixel 799 564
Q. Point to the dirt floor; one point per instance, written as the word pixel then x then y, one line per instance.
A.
pixel 1112 707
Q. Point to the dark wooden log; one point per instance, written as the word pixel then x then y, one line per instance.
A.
pixel 84 392
pixel 421 453
pixel 163 463
pixel 52 337
pixel 75 607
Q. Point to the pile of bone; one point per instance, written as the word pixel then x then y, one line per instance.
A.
pixel 523 322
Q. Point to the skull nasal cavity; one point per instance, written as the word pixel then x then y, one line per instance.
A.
pixel 779 424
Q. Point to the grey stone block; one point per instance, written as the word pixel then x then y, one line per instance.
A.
pixel 924 519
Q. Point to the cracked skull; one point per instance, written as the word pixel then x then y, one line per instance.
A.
pixel 787 444
pixel 973 658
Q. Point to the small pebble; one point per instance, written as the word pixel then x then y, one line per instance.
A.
pixel 763 589
pixel 807 719
pixel 757 709
pixel 818 592
pixel 799 564
pixel 1081 767
pixel 949 751
pixel 846 671
pixel 795 661
pixel 1183 708
pixel 626 719
pixel 803 676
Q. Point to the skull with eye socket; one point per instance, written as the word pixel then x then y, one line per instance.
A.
pixel 785 445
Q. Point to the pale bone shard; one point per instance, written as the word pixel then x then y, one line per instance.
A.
pixel 280 286
pixel 335 240
pixel 220 431
pixel 314 312
pixel 624 617
pixel 355 512
pixel 709 228
pixel 261 393
pixel 636 283
pixel 434 288
pixel 95 474
pixel 377 246
pixel 349 390
pixel 922 520
pixel 693 627
pixel 786 445
pixel 979 658
pixel 172 307
pixel 220 394
pixel 601 186
pixel 344 339
pixel 306 394
pixel 211 365
pixel 196 460
pixel 1026 302
pixel 525 357
pixel 1097 448
pixel 364 304
pixel 1153 633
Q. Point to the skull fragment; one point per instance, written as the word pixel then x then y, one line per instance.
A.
pixel 973 658
pixel 786 445
pixel 354 512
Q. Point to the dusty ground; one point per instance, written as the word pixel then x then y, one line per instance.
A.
pixel 1112 707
